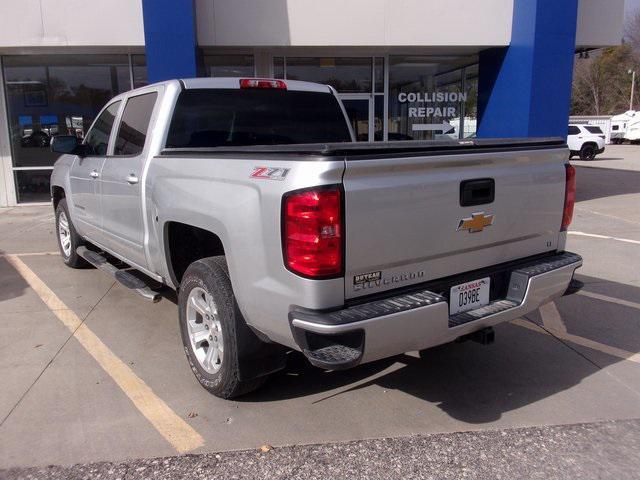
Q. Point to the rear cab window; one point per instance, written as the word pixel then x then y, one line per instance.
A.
pixel 242 117
pixel 132 133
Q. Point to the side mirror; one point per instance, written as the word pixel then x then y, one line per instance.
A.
pixel 64 144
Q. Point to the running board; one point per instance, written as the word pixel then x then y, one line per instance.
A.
pixel 122 276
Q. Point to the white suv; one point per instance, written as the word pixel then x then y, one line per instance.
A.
pixel 585 141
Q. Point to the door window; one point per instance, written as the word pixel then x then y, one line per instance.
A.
pixel 132 132
pixel 574 130
pixel 98 137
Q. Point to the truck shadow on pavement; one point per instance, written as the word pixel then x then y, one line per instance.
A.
pixel 12 284
pixel 477 384
pixel 597 182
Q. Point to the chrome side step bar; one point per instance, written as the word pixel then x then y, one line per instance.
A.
pixel 122 276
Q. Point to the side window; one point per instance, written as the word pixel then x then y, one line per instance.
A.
pixel 132 132
pixel 98 136
pixel 573 130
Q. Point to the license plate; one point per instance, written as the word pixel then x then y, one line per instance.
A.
pixel 468 296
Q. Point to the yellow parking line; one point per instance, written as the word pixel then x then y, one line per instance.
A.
pixel 585 342
pixel 173 428
pixel 604 237
pixel 551 318
pixel 606 298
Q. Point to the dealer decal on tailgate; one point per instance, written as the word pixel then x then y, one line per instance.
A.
pixel 367 277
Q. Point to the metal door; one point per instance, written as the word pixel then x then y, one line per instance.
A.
pixel 122 180
pixel 85 208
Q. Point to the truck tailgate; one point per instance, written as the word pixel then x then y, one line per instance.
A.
pixel 405 222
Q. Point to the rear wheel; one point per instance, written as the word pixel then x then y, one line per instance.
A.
pixel 216 339
pixel 588 152
pixel 68 238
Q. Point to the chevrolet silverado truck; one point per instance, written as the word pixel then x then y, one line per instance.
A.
pixel 250 199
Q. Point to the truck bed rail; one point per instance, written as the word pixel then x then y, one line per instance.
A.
pixel 397 148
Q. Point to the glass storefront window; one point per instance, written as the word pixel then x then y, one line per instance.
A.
pixel 357 111
pixel 378 74
pixel 139 71
pixel 229 65
pixel 278 67
pixel 345 74
pixel 426 98
pixel 32 185
pixel 471 105
pixel 378 118
pixel 49 95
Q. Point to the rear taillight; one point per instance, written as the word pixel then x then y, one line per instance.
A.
pixel 312 235
pixel 569 197
pixel 262 83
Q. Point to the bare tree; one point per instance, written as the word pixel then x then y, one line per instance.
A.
pixel 602 83
pixel 632 31
pixel 588 87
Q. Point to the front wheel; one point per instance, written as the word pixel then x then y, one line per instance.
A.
pixel 68 238
pixel 215 337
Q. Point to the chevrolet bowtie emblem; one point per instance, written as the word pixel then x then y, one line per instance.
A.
pixel 476 223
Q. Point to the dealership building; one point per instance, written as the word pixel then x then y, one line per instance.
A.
pixel 405 69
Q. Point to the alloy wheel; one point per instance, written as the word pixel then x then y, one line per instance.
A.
pixel 205 330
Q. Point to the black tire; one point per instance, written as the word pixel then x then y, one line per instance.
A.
pixel 239 342
pixel 70 257
pixel 588 152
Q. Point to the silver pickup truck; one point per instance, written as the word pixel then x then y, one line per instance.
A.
pixel 250 198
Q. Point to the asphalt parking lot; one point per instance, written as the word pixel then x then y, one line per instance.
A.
pixel 90 372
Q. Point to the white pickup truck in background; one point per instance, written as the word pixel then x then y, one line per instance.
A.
pixel 250 198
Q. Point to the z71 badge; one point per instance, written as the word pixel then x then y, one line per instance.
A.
pixel 269 173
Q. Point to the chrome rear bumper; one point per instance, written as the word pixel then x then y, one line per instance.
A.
pixel 418 319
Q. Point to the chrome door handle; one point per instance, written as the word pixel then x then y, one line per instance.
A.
pixel 94 174
pixel 132 179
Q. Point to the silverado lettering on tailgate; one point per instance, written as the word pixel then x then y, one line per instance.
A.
pixel 365 284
